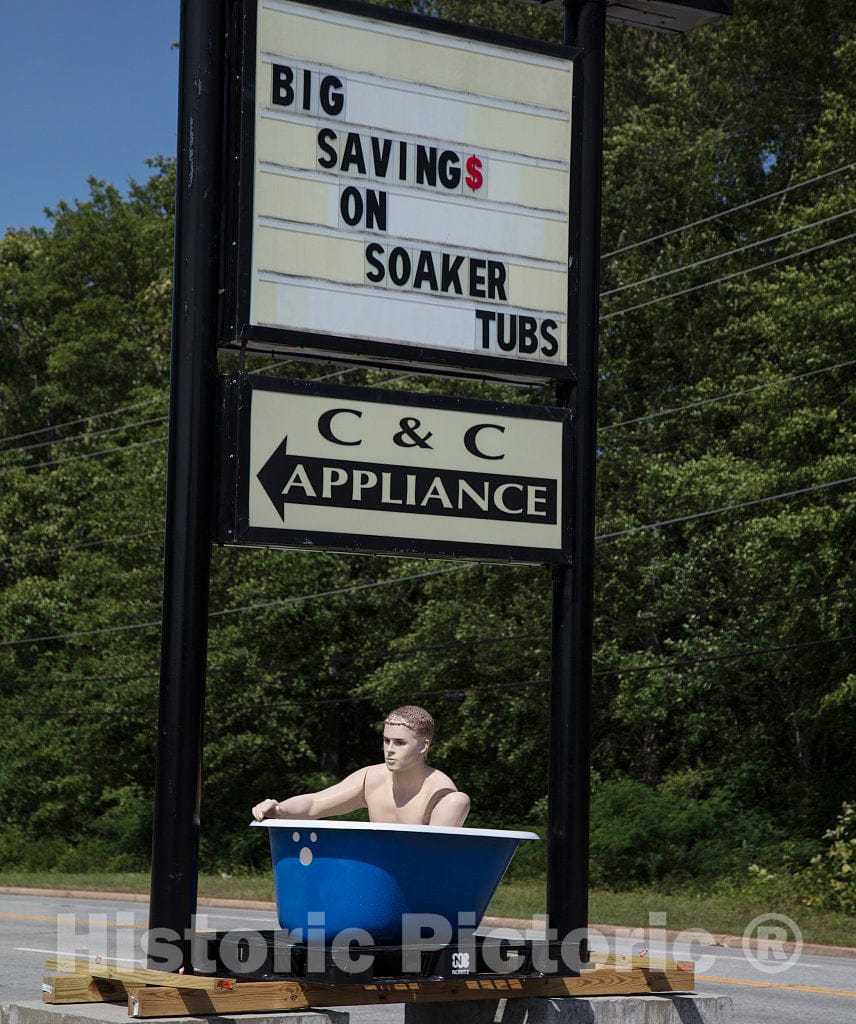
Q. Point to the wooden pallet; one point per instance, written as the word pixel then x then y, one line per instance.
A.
pixel 157 994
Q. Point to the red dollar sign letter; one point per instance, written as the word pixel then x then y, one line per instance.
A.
pixel 475 178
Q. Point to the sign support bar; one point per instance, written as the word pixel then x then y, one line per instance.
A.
pixel 190 489
pixel 570 710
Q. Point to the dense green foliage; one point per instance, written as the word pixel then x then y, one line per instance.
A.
pixel 708 758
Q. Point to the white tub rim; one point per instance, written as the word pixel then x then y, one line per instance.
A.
pixel 383 826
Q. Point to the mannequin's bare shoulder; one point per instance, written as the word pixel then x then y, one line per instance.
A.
pixel 375 773
pixel 447 806
pixel 437 780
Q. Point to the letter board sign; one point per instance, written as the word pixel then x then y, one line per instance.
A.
pixel 355 469
pixel 400 192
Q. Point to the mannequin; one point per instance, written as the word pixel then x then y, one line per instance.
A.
pixel 404 789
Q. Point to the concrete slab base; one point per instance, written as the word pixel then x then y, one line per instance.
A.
pixel 676 1009
pixel 37 1012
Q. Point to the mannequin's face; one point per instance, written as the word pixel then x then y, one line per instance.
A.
pixel 402 748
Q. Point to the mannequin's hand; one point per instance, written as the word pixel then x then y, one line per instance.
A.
pixel 266 809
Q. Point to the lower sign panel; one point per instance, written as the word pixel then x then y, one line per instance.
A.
pixel 351 469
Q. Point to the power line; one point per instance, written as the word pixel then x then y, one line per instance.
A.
pixel 726 213
pixel 346 590
pixel 609 426
pixel 245 608
pixel 261 669
pixel 85 436
pixel 724 255
pixel 392 380
pixel 129 426
pixel 436 572
pixel 724 508
pixel 727 396
pixel 82 419
pixel 607 255
pixel 728 656
pixel 80 547
pixel 86 455
pixel 162 440
pixel 449 645
pixel 728 277
pixel 718 606
pixel 452 693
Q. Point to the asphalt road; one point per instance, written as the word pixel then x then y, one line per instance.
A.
pixel 811 989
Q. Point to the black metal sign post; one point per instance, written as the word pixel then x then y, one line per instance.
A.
pixel 568 824
pixel 200 320
pixel 190 488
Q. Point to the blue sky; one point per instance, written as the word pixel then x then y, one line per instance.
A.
pixel 87 87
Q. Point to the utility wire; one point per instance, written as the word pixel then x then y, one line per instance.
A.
pixel 749 602
pixel 725 508
pixel 346 590
pixel 724 255
pixel 727 396
pixel 728 277
pixel 83 437
pixel 298 598
pixel 334 662
pixel 730 210
pixel 129 426
pixel 452 693
pixel 392 380
pixel 609 426
pixel 82 419
pixel 79 547
pixel 607 255
pixel 436 572
pixel 728 656
pixel 86 455
pixel 391 653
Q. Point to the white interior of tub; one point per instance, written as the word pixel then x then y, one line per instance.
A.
pixel 383 826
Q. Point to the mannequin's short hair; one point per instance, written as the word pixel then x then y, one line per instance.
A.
pixel 414 718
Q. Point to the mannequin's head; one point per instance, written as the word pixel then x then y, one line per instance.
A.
pixel 407 734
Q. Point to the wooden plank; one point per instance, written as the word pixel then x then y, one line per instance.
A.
pixel 138 975
pixel 260 996
pixel 654 963
pixel 82 988
pixel 265 996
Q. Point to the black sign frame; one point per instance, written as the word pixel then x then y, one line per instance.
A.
pixel 235 330
pixel 233 529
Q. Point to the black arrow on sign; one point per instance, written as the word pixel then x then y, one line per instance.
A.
pixel 272 477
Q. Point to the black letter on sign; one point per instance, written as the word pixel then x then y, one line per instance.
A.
pixel 353 206
pixel 333 103
pixel 325 137
pixel 450 171
pixel 471 439
pixel 551 342
pixel 485 318
pixel 426 165
pixel 399 266
pixel 283 86
pixel 375 210
pixel 374 250
pixel 528 339
pixel 325 425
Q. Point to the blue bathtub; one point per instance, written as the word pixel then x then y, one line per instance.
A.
pixel 337 875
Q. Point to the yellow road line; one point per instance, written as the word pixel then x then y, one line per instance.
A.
pixel 771 984
pixel 77 920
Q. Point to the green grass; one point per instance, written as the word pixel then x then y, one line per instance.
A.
pixel 728 914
